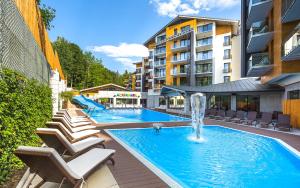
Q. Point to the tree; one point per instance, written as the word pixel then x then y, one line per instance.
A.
pixel 48 14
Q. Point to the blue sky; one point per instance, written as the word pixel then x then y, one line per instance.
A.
pixel 114 30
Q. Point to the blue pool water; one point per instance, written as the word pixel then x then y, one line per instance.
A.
pixel 132 115
pixel 226 158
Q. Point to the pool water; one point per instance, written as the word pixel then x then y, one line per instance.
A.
pixel 226 157
pixel 132 115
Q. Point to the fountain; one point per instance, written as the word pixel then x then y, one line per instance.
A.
pixel 198 102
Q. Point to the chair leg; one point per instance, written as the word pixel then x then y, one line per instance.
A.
pixel 112 161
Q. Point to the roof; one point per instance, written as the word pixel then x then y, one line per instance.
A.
pixel 181 17
pixel 105 87
pixel 238 86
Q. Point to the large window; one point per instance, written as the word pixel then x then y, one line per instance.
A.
pixel 205 28
pixel 183 81
pixel 204 55
pixel 185 28
pixel 184 43
pixel 204 42
pixel 203 68
pixel 227 68
pixel 295 94
pixel 247 103
pixel 227 54
pixel 220 102
pixel 227 41
pixel 203 81
pixel 184 55
pixel 226 79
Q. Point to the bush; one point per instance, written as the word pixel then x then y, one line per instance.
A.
pixel 67 95
pixel 25 105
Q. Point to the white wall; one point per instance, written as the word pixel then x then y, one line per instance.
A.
pixel 57 86
pixel 236 58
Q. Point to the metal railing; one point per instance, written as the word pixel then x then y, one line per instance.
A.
pixel 181 34
pixel 259 59
pixel 292 43
pixel 258 28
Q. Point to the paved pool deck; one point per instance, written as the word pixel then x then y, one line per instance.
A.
pixel 130 172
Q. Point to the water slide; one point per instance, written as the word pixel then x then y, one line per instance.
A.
pixel 88 103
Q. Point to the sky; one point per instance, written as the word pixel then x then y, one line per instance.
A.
pixel 115 30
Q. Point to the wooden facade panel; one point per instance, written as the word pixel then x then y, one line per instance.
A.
pixel 291 107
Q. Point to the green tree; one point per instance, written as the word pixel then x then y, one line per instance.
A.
pixel 48 14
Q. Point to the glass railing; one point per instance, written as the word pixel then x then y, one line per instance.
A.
pixel 160 74
pixel 180 46
pixel 160 51
pixel 205 70
pixel 259 59
pixel 292 43
pixel 253 2
pixel 258 28
pixel 174 60
pixel 160 63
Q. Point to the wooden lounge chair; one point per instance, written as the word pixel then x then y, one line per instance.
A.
pixel 53 138
pixel 250 118
pixel 72 137
pixel 240 115
pixel 266 120
pixel 72 128
pixel 49 165
pixel 284 122
pixel 229 115
pixel 220 115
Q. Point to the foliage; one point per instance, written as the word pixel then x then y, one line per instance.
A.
pixel 48 14
pixel 67 95
pixel 82 69
pixel 24 105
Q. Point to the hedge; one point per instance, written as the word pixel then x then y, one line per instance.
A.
pixel 25 104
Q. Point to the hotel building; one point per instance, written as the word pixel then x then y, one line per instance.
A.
pixel 270 35
pixel 190 51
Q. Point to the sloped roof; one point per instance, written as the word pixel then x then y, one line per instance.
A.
pixel 115 87
pixel 238 86
pixel 185 17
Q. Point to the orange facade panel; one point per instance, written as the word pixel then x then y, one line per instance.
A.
pixel 32 17
pixel 291 107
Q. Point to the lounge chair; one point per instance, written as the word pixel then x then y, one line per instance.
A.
pixel 229 115
pixel 53 138
pixel 266 120
pixel 284 122
pixel 72 128
pixel 240 115
pixel 213 113
pixel 49 165
pixel 207 112
pixel 250 118
pixel 67 111
pixel 72 137
pixel 220 115
pixel 70 118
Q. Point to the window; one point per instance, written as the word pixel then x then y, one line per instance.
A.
pixel 295 94
pixel 174 81
pixel 204 55
pixel 203 68
pixel 175 31
pixel 175 44
pixel 220 102
pixel 227 54
pixel 184 55
pixel 205 28
pixel 203 81
pixel 185 28
pixel 182 69
pixel 226 68
pixel 226 79
pixel 247 103
pixel 184 42
pixel 204 42
pixel 160 50
pixel 183 81
pixel 227 40
pixel 175 57
pixel 161 38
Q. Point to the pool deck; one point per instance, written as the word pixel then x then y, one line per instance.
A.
pixel 130 172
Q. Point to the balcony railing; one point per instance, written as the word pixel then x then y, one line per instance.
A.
pixel 258 10
pixel 204 71
pixel 290 10
pixel 175 72
pixel 291 48
pixel 180 60
pixel 182 33
pixel 259 64
pixel 160 52
pixel 180 47
pixel 160 63
pixel 160 74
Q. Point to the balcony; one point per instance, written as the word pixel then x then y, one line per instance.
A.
pixel 179 73
pixel 201 35
pixel 178 61
pixel 182 34
pixel 259 64
pixel 178 48
pixel 201 60
pixel 290 11
pixel 200 48
pixel 160 63
pixel 204 72
pixel 291 48
pixel 160 53
pixel 138 70
pixel 225 57
pixel 258 10
pixel 160 75
pixel 259 37
pixel 227 43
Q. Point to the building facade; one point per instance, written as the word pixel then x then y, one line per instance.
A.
pixel 192 51
pixel 270 47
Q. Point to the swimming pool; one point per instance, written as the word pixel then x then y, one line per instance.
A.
pixel 226 158
pixel 132 116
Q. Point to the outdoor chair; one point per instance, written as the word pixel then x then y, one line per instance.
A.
pixel 72 137
pixel 220 115
pixel 53 138
pixel 50 166
pixel 207 112
pixel 70 127
pixel 250 118
pixel 71 119
pixel 229 115
pixel 283 122
pixel 240 115
pixel 266 120
pixel 67 112
pixel 213 113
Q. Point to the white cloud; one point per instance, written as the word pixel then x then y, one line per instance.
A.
pixel 172 8
pixel 124 53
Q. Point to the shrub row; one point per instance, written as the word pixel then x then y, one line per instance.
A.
pixel 25 104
